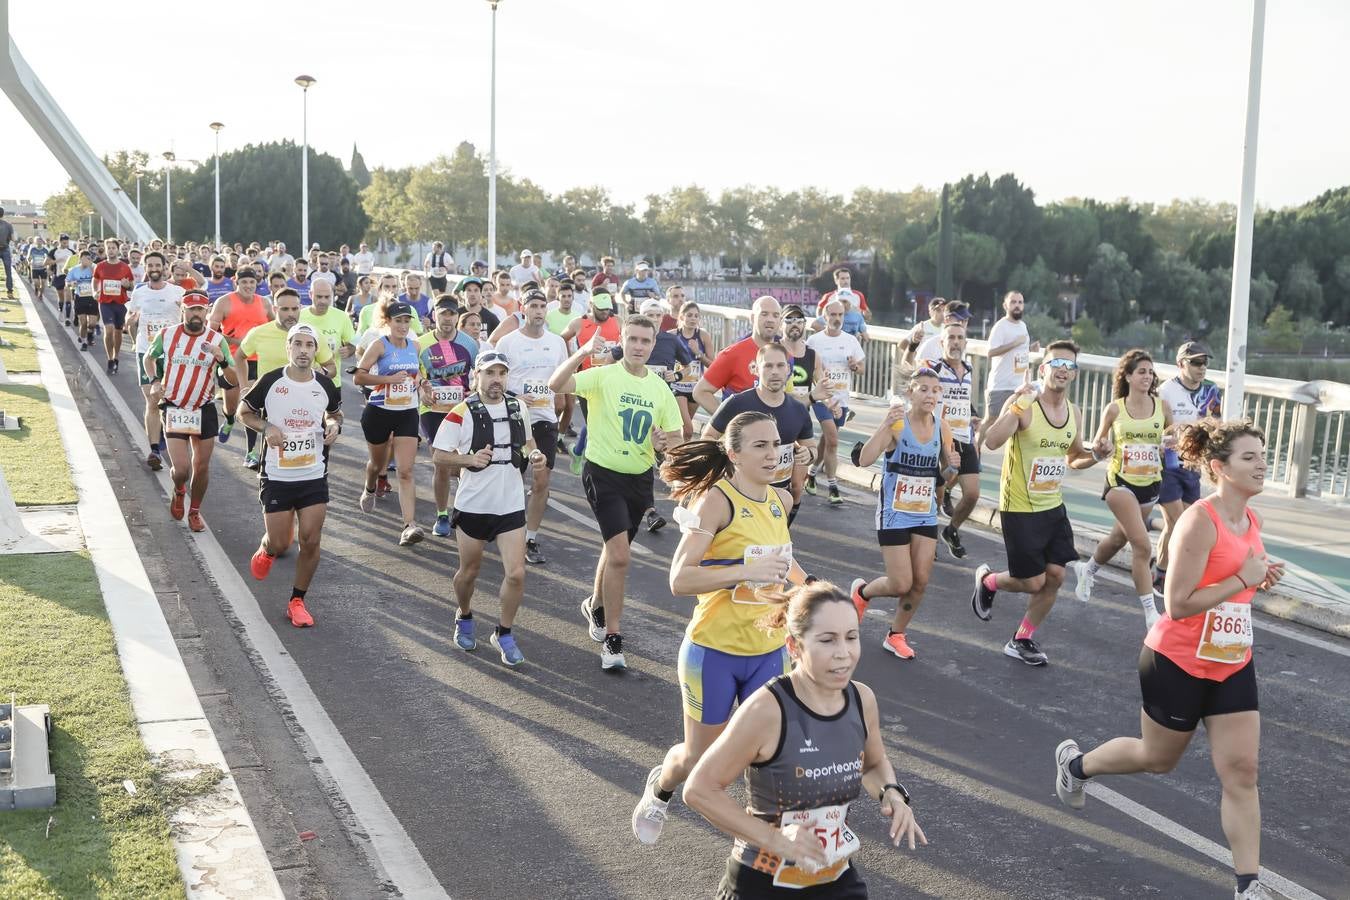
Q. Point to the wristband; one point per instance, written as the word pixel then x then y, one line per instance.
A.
pixel 1244 584
pixel 904 794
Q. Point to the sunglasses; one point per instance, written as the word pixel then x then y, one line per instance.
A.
pixel 1061 363
pixel 1198 361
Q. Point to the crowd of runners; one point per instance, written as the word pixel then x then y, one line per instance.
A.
pixel 493 376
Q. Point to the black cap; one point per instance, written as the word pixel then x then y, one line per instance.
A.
pixel 394 310
pixel 793 312
pixel 445 301
pixel 472 279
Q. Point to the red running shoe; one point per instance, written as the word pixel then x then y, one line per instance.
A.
pixel 176 505
pixel 261 563
pixel 195 520
pixel 855 594
pixel 382 486
pixel 298 615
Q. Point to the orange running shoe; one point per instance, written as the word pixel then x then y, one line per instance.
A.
pixel 176 505
pixel 298 615
pixel 855 593
pixel 261 563
pixel 195 520
pixel 896 643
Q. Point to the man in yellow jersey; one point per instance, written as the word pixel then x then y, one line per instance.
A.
pixel 332 324
pixel 632 416
pixel 1043 432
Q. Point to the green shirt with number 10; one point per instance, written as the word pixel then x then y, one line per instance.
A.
pixel 621 410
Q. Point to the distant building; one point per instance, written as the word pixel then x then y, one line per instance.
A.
pixel 27 217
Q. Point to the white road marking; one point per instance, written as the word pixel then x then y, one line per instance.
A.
pixel 593 525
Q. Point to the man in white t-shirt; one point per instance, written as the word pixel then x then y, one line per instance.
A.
pixel 438 265
pixel 841 357
pixel 363 260
pixel 526 271
pixel 534 353
pixel 154 306
pixel 1010 349
pixel 953 313
pixel 490 502
pixel 279 258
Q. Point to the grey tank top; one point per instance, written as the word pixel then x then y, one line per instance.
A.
pixel 819 762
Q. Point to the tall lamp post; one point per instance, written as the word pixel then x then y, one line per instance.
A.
pixel 90 214
pixel 492 150
pixel 139 173
pixel 168 196
pixel 216 126
pixel 117 227
pixel 305 82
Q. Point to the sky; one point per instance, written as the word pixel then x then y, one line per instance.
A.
pixel 1106 99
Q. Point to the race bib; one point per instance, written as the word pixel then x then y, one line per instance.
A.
pixel 112 288
pixel 182 421
pixel 1047 473
pixel 1227 633
pixel 438 272
pixel 84 289
pixel 783 470
pixel 1020 360
pixel 956 412
pixel 399 395
pixel 759 551
pixel 829 824
pixel 537 395
pixel 689 376
pixel 298 450
pixel 836 380
pixel 1141 460
pixel 153 328
pixel 913 494
pixel 803 393
pixel 445 396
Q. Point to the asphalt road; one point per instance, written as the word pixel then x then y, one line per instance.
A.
pixel 520 783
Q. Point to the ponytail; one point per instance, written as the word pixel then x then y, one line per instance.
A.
pixel 1198 443
pixel 695 466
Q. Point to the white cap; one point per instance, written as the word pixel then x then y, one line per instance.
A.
pixel 302 328
pixel 652 304
pixel 525 253
pixel 642 265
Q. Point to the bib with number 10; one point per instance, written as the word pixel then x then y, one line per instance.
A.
pixel 298 449
pixel 829 824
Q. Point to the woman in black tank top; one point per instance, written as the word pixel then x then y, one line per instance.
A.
pixel 808 744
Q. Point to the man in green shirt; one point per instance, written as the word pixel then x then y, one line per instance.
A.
pixel 333 324
pixel 632 417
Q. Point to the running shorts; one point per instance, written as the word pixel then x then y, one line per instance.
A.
pixel 993 403
pixel 618 500
pixel 744 883
pixel 114 315
pixel 59 281
pixel 1177 700
pixel 1146 495
pixel 285 496
pixel 900 537
pixel 822 412
pixel 546 440
pixel 210 424
pixel 140 369
pixel 1181 484
pixel 712 682
pixel 1036 540
pixel 438 285
pixel 431 423
pixel 379 424
pixel 487 527
pixel 86 306
pixel 970 458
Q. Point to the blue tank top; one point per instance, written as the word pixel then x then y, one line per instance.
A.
pixel 395 359
pixel 907 498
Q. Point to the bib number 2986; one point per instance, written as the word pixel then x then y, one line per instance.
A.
pixel 636 424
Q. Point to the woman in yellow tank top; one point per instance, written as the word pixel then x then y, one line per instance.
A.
pixel 735 554
pixel 1134 433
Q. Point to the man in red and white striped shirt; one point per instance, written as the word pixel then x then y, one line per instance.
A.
pixel 181 364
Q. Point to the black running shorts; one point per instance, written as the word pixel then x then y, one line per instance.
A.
pixel 618 500
pixel 1177 700
pixel 487 527
pixel 379 424
pixel 1036 540
pixel 284 496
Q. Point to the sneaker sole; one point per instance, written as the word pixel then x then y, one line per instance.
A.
pixel 590 623
pixel 1068 798
pixel 893 652
pixel 611 666
pixel 493 641
pixel 975 597
pixel 633 820
pixel 415 538
pixel 1013 654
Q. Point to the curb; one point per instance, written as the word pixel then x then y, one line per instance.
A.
pixel 218 850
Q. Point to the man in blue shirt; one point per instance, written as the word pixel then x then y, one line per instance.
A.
pixel 641 286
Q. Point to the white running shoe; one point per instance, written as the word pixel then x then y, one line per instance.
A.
pixel 1255 891
pixel 611 653
pixel 1068 788
pixel 1083 589
pixel 649 816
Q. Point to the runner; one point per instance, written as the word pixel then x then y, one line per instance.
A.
pixel 535 353
pixel 389 421
pixel 486 436
pixel 445 356
pixel 808 744
pixel 841 357
pixel 218 284
pixel 1041 428
pixel 1010 349
pixel 601 331
pixel 633 417
pixel 180 363
pixel 81 283
pixel 234 314
pixel 963 421
pixel 562 313
pixel 807 377
pixel 299 413
pixel 112 283
pixel 1190 397
pixel 58 263
pixel 154 306
pixel 843 281
pixel 1196 664
pixel 730 369
pixel 437 264
pixel 699 344
pixel 735 544
pixel 331 324
pixel 918 447
pixel 1133 433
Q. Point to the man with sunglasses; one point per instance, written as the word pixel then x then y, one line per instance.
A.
pixel 1190 396
pixel 1043 431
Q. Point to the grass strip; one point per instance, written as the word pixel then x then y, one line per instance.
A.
pixel 19 352
pixel 33 458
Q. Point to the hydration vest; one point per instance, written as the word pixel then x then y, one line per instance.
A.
pixel 485 431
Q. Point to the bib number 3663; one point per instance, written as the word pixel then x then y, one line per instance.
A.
pixel 1227 633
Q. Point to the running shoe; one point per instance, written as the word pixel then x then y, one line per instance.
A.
pixel 1083 588
pixel 1255 891
pixel 464 638
pixel 442 526
pixel 850 416
pixel 952 538
pixel 571 432
pixel 253 460
pixel 412 534
pixel 948 509
pixel 595 619
pixel 84 345
pixel 562 448
pixel 298 615
pixel 811 485
pixel 895 642
pixel 110 367
pixel 611 653
pixel 261 563
pixel 835 499
pixel 117 366
pixel 89 345
pixel 855 594
pixel 382 486
pixel 1068 788
pixel 195 520
pixel 649 816
pixel 576 463
pixel 178 504
pixel 367 501
pixel 154 462
pixel 1026 650
pixel 506 645
pixel 654 521
pixel 533 554
pixel 223 435
pixel 982 600
pixel 855 455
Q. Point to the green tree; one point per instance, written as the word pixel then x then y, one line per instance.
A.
pixel 1037 284
pixel 1004 209
pixel 944 263
pixel 447 199
pixel 385 201
pixel 1122 226
pixel 1281 334
pixel 1175 289
pixel 1110 288
pixel 1178 225
pixel 1300 292
pixel 977 259
pixel 1087 335
pixel 737 224
pixel 360 174
pixel 1070 234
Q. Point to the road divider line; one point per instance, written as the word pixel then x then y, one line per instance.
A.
pixel 591 523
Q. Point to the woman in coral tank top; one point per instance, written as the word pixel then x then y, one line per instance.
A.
pixel 1197 663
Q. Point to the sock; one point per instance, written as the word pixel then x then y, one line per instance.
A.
pixel 1146 601
pixel 442 512
pixel 1076 767
pixel 154 448
pixel 813 470
pixel 1093 566
pixel 530 535
pixel 180 491
pixel 467 615
pixel 890 631
pixel 296 592
pixel 251 437
pixel 991 581
pixel 664 796
pixel 1025 630
pixel 194 507
pixel 1245 881
pixel 793 513
pixel 832 482
pixel 501 631
pixel 229 419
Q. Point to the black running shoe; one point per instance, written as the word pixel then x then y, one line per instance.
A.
pixel 856 453
pixel 811 485
pixel 533 554
pixel 982 600
pixel 110 367
pixel 948 509
pixel 654 521
pixel 952 538
pixel 835 498
pixel 1026 650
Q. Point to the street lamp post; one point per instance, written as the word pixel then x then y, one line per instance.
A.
pixel 139 173
pixel 492 150
pixel 216 126
pixel 90 214
pixel 305 82
pixel 117 227
pixel 168 196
